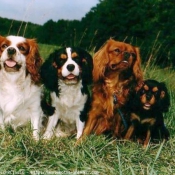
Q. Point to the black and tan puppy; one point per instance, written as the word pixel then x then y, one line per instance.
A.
pixel 147 108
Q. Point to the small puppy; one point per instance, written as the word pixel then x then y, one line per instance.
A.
pixel 20 90
pixel 66 75
pixel 147 108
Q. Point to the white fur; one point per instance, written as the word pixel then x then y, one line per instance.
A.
pixel 19 97
pixel 76 70
pixel 68 106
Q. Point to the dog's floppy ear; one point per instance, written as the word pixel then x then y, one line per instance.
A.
pixel 49 73
pixel 87 66
pixel 1 40
pixel 46 103
pixel 164 98
pixel 33 60
pixel 137 66
pixel 100 61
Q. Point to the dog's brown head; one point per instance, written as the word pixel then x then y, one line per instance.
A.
pixel 116 57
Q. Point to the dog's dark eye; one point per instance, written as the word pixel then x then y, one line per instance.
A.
pixel 4 46
pixel 155 93
pixel 21 48
pixel 77 60
pixel 133 55
pixel 117 51
pixel 143 91
pixel 126 55
pixel 61 62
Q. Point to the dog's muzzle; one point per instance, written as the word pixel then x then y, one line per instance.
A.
pixel 70 67
pixel 11 51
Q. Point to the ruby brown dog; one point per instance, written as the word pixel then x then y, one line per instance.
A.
pixel 20 91
pixel 116 73
pixel 66 75
pixel 147 108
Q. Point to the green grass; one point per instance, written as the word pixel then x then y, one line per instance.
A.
pixel 20 154
pixel 45 50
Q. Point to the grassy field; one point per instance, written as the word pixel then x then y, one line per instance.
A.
pixel 20 154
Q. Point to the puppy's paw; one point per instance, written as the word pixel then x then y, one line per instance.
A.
pixel 48 135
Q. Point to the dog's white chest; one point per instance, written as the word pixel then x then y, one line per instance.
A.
pixel 10 98
pixel 17 97
pixel 71 98
pixel 70 102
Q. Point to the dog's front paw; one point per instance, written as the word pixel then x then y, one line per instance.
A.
pixel 48 135
pixel 2 127
pixel 61 134
pixel 35 135
pixel 78 135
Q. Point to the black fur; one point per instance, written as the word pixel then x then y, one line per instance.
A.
pixel 158 130
pixel 49 73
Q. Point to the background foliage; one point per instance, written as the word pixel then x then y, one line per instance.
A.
pixel 140 23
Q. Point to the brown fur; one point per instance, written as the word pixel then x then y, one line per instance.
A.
pixel 33 60
pixel 112 77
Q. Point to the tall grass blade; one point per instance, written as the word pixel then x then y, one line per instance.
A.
pixel 119 161
pixel 157 156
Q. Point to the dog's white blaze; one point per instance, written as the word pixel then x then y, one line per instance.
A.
pixel 65 71
pixel 68 50
pixel 15 40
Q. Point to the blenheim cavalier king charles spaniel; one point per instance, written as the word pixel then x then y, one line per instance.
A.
pixel 66 75
pixel 116 73
pixel 20 92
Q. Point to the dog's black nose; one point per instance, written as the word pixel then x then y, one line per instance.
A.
pixel 70 67
pixel 148 96
pixel 11 51
pixel 126 55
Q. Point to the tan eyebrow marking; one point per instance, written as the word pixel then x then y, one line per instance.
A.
pixel 63 56
pixel 155 89
pixel 162 95
pixel 146 87
pixel 74 54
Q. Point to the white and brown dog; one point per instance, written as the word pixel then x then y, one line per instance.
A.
pixel 66 75
pixel 20 90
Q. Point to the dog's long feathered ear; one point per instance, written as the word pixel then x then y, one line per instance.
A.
pixel 137 67
pixel 1 40
pixel 46 103
pixel 49 74
pixel 100 61
pixel 87 67
pixel 33 61
pixel 164 98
